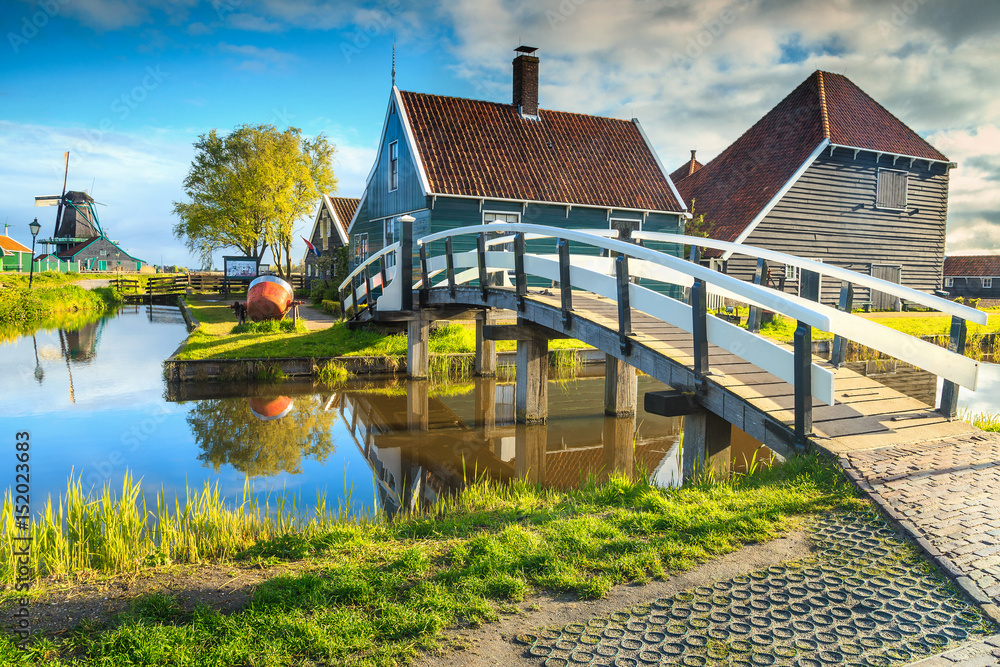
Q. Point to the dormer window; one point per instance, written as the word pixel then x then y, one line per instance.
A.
pixel 890 192
pixel 393 165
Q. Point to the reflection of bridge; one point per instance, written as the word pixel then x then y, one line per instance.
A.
pixel 614 295
pixel 421 447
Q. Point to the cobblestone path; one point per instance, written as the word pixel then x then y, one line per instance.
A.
pixel 946 494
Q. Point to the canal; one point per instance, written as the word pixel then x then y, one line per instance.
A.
pixel 96 405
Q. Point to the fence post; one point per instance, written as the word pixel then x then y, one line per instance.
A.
pixel 450 258
pixel 803 384
pixel 520 278
pixel 839 352
pixel 949 391
pixel 424 276
pixel 624 307
pixel 404 262
pixel 809 285
pixel 565 288
pixel 699 327
pixel 759 275
pixel 481 260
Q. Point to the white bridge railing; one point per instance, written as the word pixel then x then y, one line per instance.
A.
pixel 612 277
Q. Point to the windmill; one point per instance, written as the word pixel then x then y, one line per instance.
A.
pixel 76 218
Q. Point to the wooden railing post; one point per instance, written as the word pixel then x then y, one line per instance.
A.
pixel 450 258
pixel 803 384
pixel 425 278
pixel 343 306
pixel 404 262
pixel 839 352
pixel 949 390
pixel 809 285
pixel 624 307
pixel 565 287
pixel 382 273
pixel 368 290
pixel 520 278
pixel 699 326
pixel 759 274
pixel 481 257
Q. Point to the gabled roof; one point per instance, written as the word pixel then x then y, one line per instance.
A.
pixel 483 149
pixel 9 245
pixel 70 252
pixel 341 211
pixel 685 170
pixel 737 188
pixel 987 266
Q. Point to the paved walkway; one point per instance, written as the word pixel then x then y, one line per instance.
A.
pixel 978 654
pixel 316 319
pixel 946 494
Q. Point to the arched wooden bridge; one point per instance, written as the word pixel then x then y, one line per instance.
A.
pixel 646 308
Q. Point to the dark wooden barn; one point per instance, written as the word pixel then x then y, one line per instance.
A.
pixel 329 232
pixel 972 276
pixel 829 174
pixel 101 254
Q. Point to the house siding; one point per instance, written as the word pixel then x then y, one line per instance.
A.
pixel 409 194
pixel 830 215
pixel 972 287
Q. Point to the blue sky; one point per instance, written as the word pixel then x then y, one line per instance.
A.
pixel 127 86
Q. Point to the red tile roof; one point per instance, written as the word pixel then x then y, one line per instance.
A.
pixel 10 245
pixel 486 149
pixel 685 170
pixel 987 266
pixel 344 207
pixel 735 186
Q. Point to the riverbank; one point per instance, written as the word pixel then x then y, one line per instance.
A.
pixel 377 591
pixel 51 304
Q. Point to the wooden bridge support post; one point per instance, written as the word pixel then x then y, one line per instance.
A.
pixel 486 350
pixel 404 262
pixel 621 387
pixel 839 351
pixel 949 390
pixel 759 274
pixel 707 443
pixel 531 400
pixel 418 333
pixel 699 327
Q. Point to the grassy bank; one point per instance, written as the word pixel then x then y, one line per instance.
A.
pixel 214 339
pixel 23 310
pixel 373 592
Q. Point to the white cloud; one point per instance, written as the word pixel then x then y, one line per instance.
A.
pixel 258 58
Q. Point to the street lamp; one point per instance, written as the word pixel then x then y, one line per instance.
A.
pixel 35 228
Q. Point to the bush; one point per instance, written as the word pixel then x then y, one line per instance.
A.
pixel 959 299
pixel 331 307
pixel 973 302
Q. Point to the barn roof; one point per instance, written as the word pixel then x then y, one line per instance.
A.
pixel 733 189
pixel 686 169
pixel 10 246
pixel 70 252
pixel 987 266
pixel 487 149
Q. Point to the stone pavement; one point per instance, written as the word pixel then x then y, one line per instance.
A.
pixel 946 495
pixel 978 654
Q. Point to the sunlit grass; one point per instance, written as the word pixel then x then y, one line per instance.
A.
pixel 985 421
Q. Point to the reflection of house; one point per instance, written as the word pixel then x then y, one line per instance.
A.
pixel 972 276
pixel 829 174
pixel 329 232
pixel 452 162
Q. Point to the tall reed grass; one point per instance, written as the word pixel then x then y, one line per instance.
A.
pixel 110 530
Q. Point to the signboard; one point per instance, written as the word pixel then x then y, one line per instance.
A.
pixel 240 268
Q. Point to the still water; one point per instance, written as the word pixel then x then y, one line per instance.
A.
pixel 96 405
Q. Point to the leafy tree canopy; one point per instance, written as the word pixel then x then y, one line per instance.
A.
pixel 249 189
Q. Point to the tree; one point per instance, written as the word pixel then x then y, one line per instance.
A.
pixel 697 226
pixel 248 189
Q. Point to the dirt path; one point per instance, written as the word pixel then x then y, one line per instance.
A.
pixel 91 283
pixel 315 319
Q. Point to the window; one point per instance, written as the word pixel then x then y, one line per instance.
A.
pixel 949 282
pixel 891 190
pixel 499 216
pixel 987 283
pixel 791 272
pixel 104 253
pixel 393 165
pixel 625 227
pixel 360 247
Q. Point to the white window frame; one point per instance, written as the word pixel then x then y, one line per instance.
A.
pixel 360 256
pixel 987 283
pixel 949 282
pixel 906 190
pixel 791 273
pixel 393 166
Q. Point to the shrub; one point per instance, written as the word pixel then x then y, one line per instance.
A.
pixel 332 307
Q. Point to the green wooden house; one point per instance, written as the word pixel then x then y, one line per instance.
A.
pixel 453 162
pixel 16 257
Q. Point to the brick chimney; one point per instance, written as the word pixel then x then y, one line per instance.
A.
pixel 526 81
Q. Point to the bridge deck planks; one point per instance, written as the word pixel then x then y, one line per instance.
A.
pixel 866 415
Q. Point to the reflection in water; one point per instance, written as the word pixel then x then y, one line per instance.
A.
pixel 234 432
pixel 422 446
pixel 80 345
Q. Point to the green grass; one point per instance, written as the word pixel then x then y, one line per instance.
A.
pixel 215 339
pixel 56 305
pixel 374 592
pixel 985 421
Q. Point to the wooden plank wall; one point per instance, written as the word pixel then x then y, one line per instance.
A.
pixel 830 214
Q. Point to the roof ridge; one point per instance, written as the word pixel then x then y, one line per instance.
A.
pixel 504 104
pixel 824 114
